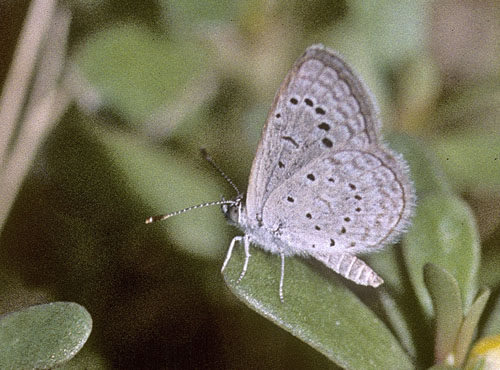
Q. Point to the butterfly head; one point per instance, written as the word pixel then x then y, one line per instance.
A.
pixel 233 210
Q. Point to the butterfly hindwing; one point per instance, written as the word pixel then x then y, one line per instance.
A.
pixel 350 201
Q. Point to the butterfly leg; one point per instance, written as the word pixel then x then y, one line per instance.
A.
pixel 282 277
pixel 351 267
pixel 230 251
pixel 246 246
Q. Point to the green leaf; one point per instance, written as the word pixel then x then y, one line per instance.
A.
pixel 469 326
pixel 43 336
pixel 399 322
pixel 471 160
pixel 444 233
pixel 166 182
pixel 492 325
pixel 190 14
pixel 445 295
pixel 477 101
pixel 145 75
pixel 87 359
pixel 318 309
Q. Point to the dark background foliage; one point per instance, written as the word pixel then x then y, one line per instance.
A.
pixel 145 85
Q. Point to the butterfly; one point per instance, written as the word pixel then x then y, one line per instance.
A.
pixel 322 184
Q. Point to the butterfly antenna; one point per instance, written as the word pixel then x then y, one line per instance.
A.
pixel 168 215
pixel 211 161
pixel 216 203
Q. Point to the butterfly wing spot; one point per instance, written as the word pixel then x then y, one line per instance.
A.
pixel 311 177
pixel 324 126
pixel 343 230
pixel 332 243
pixel 308 102
pixel 290 140
pixel 308 215
pixel 347 219
pixel 290 199
pixel 278 115
pixel 281 164
pixel 320 111
pixel 331 179
pixel 327 142
pixel 352 186
pixel 358 209
pixel 317 227
pixel 357 197
pixel 294 101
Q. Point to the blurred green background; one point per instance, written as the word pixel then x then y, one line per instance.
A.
pixel 149 83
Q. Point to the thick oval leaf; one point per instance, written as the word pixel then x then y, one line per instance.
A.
pixel 448 313
pixel 444 233
pixel 471 161
pixel 469 326
pixel 144 74
pixel 43 336
pixel 167 183
pixel 318 309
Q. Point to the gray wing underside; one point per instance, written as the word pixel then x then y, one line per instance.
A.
pixel 320 106
pixel 349 201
